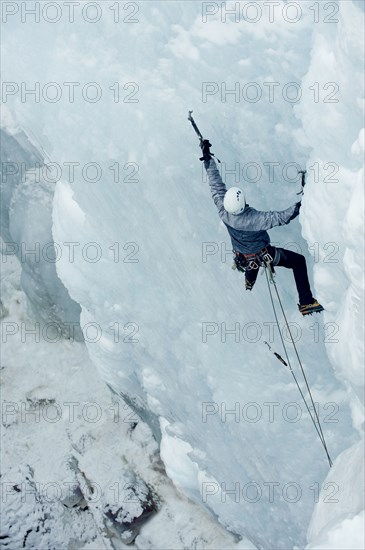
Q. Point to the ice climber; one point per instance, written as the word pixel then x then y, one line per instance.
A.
pixel 248 227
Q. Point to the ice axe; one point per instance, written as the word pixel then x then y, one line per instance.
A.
pixel 198 132
pixel 277 355
pixel 204 143
pixel 303 172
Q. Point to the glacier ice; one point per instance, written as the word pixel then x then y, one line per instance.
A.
pixel 151 293
pixel 26 230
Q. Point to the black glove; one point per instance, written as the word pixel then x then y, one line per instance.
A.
pixel 297 208
pixel 303 173
pixel 295 213
pixel 205 147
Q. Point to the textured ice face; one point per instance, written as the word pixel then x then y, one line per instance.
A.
pixel 179 338
pixel 26 230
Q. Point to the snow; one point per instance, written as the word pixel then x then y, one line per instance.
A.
pixel 339 526
pixel 132 268
pixel 340 205
pixel 76 417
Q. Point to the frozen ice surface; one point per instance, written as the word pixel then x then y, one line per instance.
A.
pixel 150 286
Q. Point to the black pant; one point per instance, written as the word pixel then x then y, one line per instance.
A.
pixel 290 260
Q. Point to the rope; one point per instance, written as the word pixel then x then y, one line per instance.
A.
pixel 317 427
pixel 288 360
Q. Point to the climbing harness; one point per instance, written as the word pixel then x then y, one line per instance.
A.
pixel 251 263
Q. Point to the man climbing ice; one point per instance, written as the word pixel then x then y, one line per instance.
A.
pixel 248 227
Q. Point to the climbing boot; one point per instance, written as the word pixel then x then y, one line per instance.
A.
pixel 308 309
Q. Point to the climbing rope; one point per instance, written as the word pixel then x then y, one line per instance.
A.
pixel 315 419
pixel 288 364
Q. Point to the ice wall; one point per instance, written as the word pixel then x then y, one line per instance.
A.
pixel 333 216
pixel 26 231
pixel 135 264
pixel 334 204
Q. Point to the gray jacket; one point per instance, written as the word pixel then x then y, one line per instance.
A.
pixel 247 230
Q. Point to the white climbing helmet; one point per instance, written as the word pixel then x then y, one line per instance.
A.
pixel 234 201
